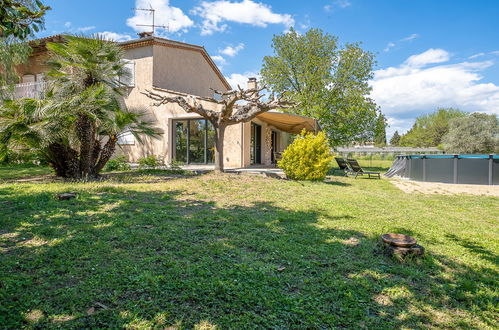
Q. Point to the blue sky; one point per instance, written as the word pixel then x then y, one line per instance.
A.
pixel 430 53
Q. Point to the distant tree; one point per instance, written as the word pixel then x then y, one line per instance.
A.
pixel 476 133
pixel 21 18
pixel 428 130
pixel 18 20
pixel 395 140
pixel 330 83
pixel 380 131
pixel 13 52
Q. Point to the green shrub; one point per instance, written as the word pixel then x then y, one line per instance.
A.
pixel 307 158
pixel 150 161
pixel 119 163
pixel 21 157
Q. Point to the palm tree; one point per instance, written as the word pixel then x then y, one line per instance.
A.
pixel 82 71
pixel 78 123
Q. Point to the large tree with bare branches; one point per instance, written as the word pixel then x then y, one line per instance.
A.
pixel 229 110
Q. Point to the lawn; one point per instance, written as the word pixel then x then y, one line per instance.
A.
pixel 10 173
pixel 156 250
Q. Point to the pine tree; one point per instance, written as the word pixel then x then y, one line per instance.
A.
pixel 395 140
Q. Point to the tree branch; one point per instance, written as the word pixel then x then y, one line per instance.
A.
pixel 231 113
pixel 188 104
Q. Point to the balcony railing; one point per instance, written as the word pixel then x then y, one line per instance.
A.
pixel 32 90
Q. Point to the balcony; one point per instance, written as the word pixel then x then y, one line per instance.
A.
pixel 32 90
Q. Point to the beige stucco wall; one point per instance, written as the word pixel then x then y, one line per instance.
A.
pixel 168 71
pixel 136 101
pixel 184 70
pixel 163 116
pixel 35 65
pixel 233 146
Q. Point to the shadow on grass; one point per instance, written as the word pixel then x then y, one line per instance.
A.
pixel 475 248
pixel 10 173
pixel 117 258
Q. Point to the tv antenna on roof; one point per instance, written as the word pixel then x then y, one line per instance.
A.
pixel 153 26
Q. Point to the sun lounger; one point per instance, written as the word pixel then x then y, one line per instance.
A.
pixel 342 165
pixel 357 170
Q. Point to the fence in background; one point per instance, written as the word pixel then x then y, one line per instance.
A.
pixel 387 153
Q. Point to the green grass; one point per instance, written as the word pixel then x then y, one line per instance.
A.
pixel 21 171
pixel 156 250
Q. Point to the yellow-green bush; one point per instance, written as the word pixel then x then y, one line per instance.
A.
pixel 307 158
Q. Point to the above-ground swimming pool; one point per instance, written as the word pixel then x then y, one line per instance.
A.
pixel 465 169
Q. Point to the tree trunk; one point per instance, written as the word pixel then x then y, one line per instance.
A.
pixel 96 151
pixel 219 146
pixel 63 159
pixel 106 154
pixel 85 133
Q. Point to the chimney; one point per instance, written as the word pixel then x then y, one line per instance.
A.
pixel 252 84
pixel 144 34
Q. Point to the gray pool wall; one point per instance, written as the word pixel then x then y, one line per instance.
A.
pixel 461 169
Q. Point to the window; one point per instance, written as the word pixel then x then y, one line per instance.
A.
pixel 194 141
pixel 126 138
pixel 130 67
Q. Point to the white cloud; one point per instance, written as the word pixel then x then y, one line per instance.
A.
pixel 476 56
pixel 115 36
pixel 493 53
pixel 343 3
pixel 429 57
pixel 232 51
pixel 67 25
pixel 241 79
pixel 172 17
pixel 219 60
pixel 86 28
pixel 411 37
pixel 389 46
pixel 415 88
pixel 215 13
pixel 392 44
pixel 338 3
pixel 400 125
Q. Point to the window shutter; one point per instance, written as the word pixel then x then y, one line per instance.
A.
pixel 126 138
pixel 130 67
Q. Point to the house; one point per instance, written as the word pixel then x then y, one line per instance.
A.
pixel 174 68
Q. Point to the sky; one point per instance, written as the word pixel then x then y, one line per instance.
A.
pixel 430 54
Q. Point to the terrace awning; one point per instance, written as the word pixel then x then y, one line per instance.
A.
pixel 289 123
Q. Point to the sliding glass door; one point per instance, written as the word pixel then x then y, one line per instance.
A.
pixel 194 141
pixel 256 144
